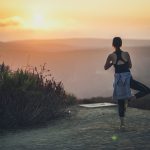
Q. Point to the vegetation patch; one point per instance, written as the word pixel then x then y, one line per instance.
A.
pixel 30 96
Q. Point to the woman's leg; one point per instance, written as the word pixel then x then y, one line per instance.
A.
pixel 143 90
pixel 121 111
pixel 121 108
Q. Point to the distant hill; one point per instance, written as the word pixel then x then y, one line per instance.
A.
pixel 78 63
pixel 69 44
pixel 2 43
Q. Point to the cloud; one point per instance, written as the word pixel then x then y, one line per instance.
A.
pixel 11 21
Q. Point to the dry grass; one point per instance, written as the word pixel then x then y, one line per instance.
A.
pixel 30 96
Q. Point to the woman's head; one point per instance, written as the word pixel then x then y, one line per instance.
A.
pixel 117 42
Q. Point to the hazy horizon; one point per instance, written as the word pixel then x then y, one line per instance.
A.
pixel 78 63
pixel 72 38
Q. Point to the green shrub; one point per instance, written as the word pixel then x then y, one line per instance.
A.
pixel 29 96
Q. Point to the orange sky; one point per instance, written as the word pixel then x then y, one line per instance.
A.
pixel 28 19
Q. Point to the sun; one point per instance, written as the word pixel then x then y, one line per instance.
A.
pixel 39 22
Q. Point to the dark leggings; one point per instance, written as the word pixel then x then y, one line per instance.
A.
pixel 121 107
pixel 142 91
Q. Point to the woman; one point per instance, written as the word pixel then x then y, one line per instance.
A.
pixel 123 80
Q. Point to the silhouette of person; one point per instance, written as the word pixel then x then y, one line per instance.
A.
pixel 123 80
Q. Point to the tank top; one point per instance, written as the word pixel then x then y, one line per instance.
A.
pixel 120 68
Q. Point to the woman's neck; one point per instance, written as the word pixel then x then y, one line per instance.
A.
pixel 117 49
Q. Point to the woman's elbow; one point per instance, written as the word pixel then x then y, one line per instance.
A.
pixel 130 66
pixel 105 67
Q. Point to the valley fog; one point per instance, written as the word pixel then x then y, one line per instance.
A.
pixel 79 64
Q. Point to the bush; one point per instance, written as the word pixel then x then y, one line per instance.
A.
pixel 71 100
pixel 29 96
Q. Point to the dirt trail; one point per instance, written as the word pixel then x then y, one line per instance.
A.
pixel 86 129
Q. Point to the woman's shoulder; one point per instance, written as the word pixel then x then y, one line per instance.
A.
pixel 125 52
pixel 111 55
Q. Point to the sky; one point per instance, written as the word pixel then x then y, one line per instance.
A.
pixel 47 19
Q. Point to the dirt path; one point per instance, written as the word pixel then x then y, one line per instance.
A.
pixel 87 129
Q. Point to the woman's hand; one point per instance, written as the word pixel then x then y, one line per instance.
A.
pixel 108 63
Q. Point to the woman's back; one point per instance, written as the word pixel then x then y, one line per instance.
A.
pixel 124 56
pixel 120 61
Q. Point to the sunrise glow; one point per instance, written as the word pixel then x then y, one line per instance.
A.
pixel 60 19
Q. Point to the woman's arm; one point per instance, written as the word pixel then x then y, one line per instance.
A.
pixel 108 63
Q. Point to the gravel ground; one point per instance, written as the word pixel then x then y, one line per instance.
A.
pixel 85 129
